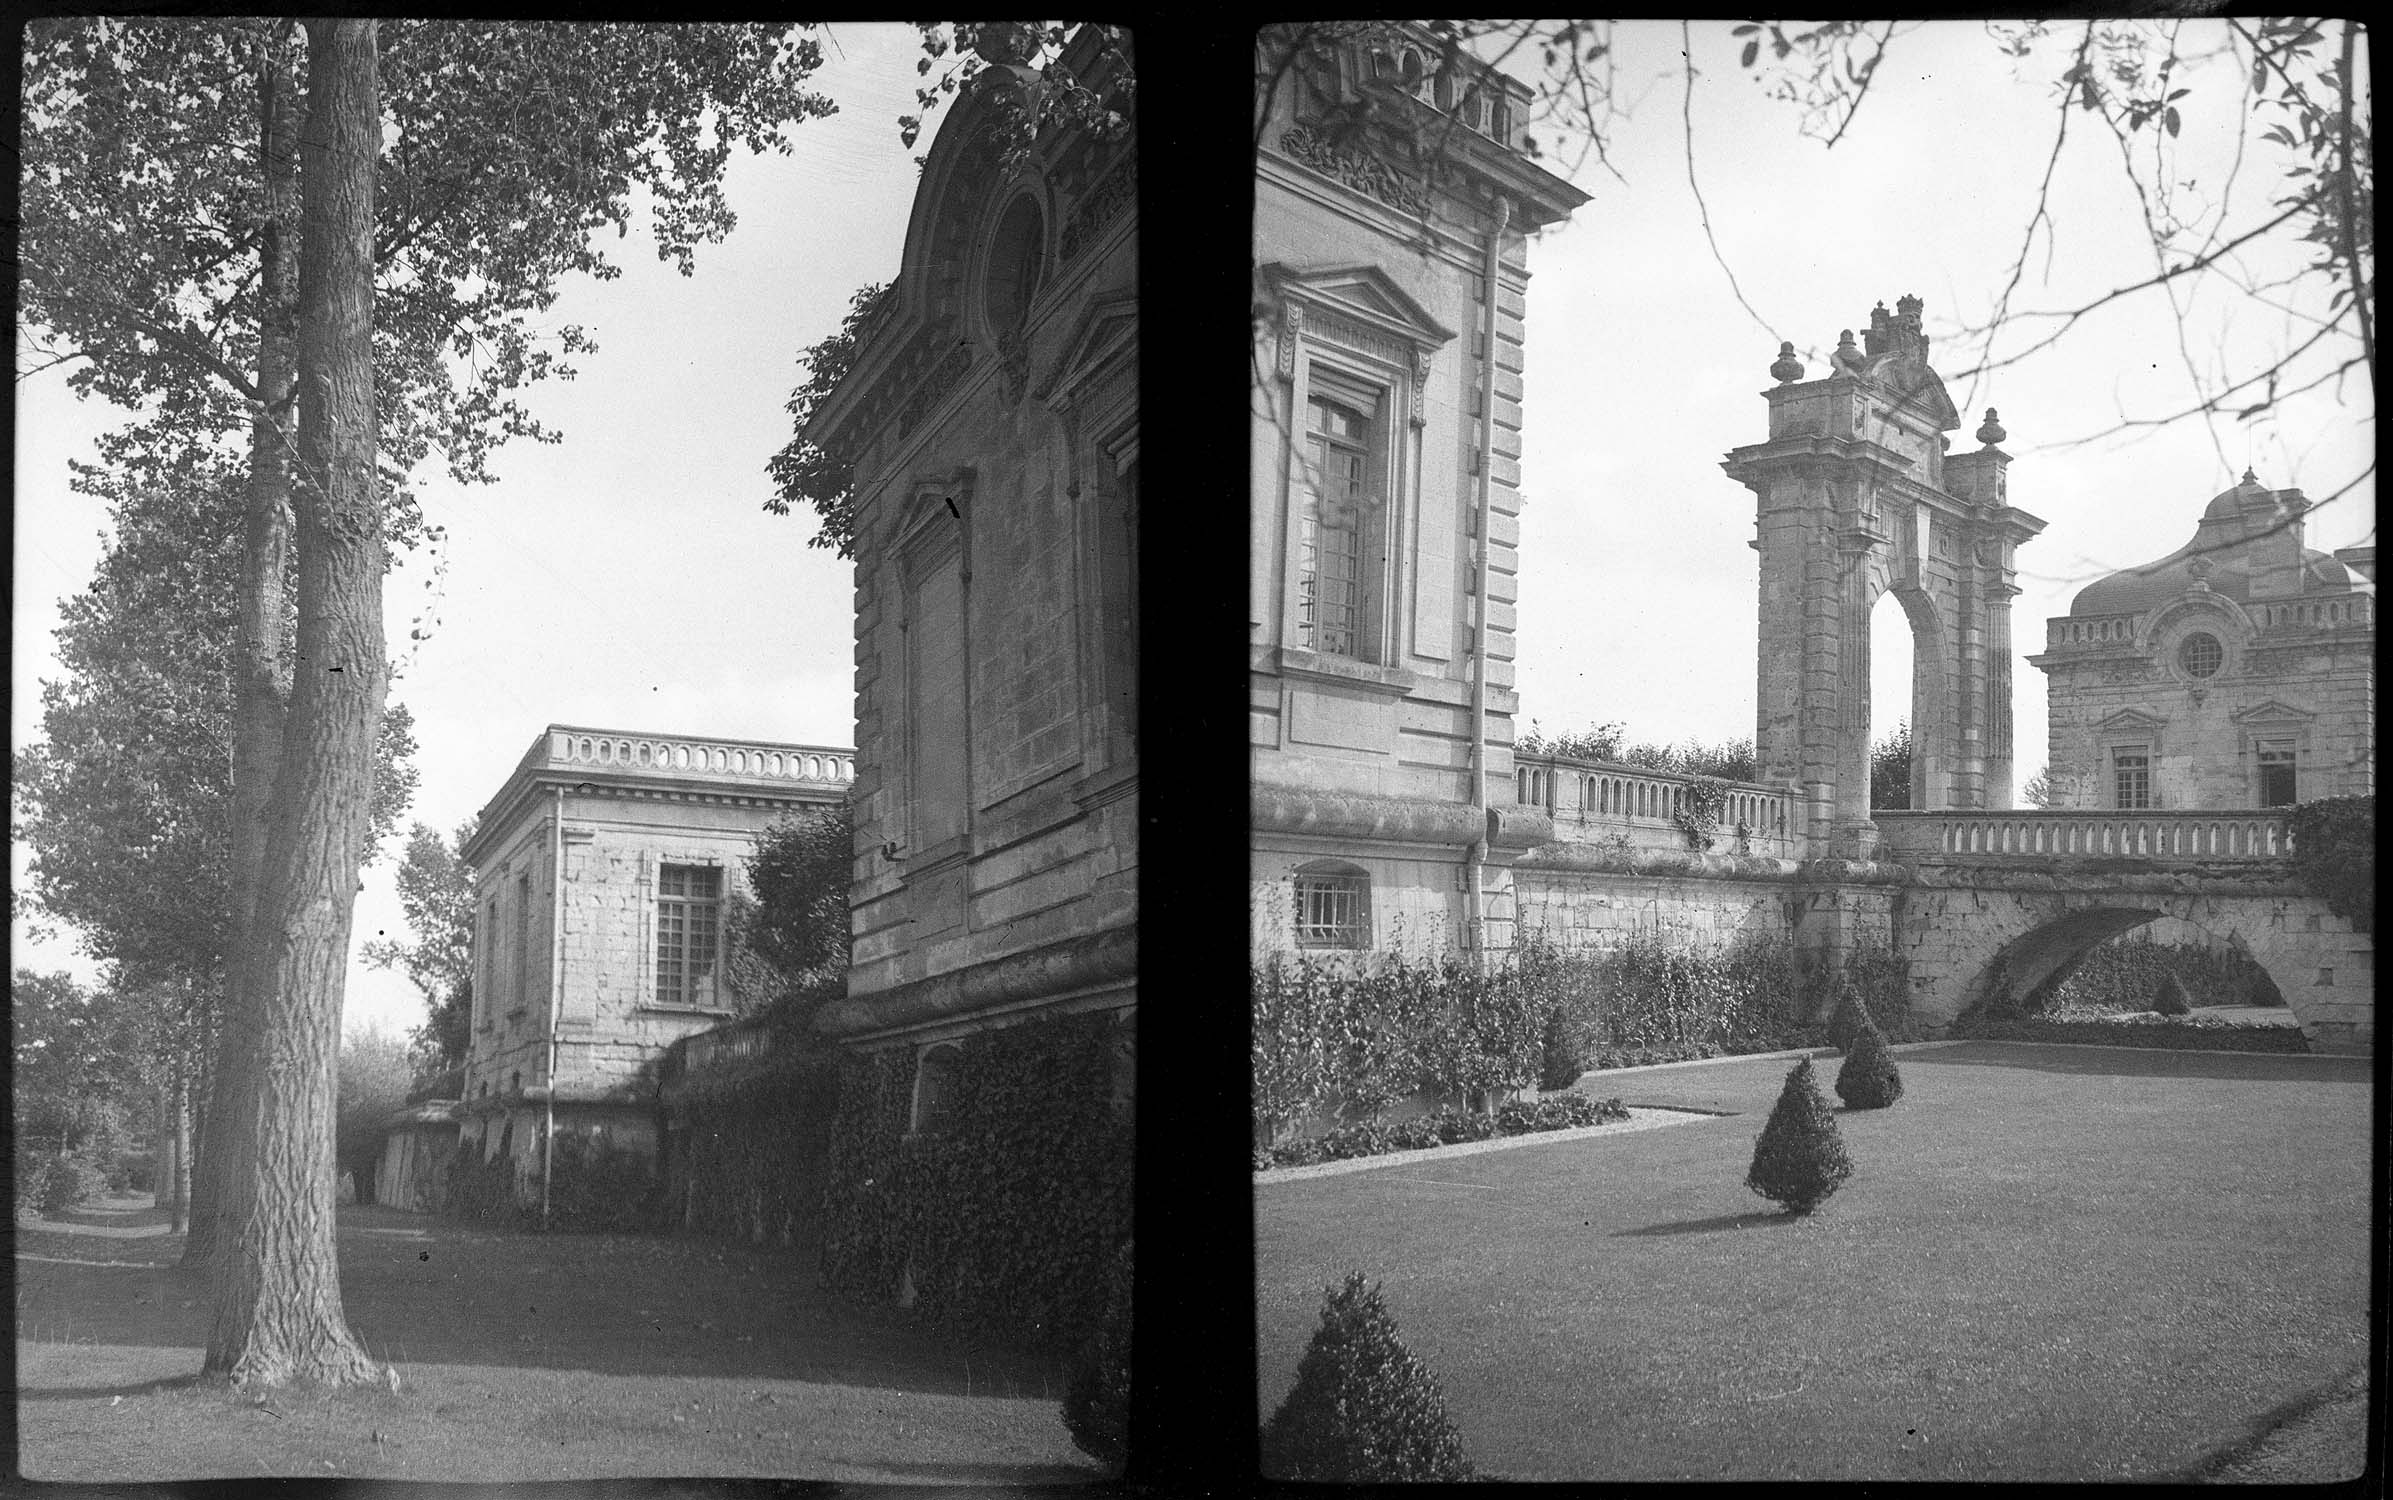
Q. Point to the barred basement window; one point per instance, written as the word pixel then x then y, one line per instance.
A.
pixel 1333 907
pixel 688 934
pixel 2131 772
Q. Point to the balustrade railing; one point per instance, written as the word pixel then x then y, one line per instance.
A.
pixel 684 755
pixel 2310 614
pixel 2089 631
pixel 2224 834
pixel 1591 792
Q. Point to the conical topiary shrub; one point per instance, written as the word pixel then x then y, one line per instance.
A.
pixel 1846 1017
pixel 1097 1402
pixel 1869 1078
pixel 1363 1410
pixel 1561 1064
pixel 2171 999
pixel 1799 1159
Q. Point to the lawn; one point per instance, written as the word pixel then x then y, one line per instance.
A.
pixel 522 1357
pixel 2052 1263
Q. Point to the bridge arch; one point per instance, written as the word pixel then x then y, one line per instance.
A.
pixel 1966 943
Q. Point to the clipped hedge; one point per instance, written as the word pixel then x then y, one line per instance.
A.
pixel 1352 1035
pixel 1445 1127
pixel 1006 1223
pixel 481 1190
pixel 2182 1033
pixel 2126 972
pixel 595 1184
pixel 747 1143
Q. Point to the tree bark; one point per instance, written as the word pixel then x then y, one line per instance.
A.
pixel 278 1314
pixel 262 664
pixel 178 1179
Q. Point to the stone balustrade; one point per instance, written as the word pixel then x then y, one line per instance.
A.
pixel 683 755
pixel 2249 833
pixel 1580 793
pixel 2089 630
pixel 2314 614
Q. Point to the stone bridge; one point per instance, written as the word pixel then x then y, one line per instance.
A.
pixel 2017 899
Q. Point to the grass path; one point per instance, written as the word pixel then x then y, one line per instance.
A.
pixel 2052 1263
pixel 523 1358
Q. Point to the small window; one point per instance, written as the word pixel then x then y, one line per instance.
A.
pixel 2131 773
pixel 2278 765
pixel 935 1089
pixel 688 930
pixel 1333 907
pixel 2200 655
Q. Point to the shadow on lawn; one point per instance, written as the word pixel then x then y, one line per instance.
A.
pixel 1753 1220
pixel 421 1290
pixel 2145 1062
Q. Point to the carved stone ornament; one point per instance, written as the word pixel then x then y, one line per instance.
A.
pixel 1788 369
pixel 1364 173
pixel 1420 384
pixel 1292 327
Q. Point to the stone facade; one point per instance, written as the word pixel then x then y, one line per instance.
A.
pixel 1858 496
pixel 1385 419
pixel 991 419
pixel 2237 672
pixel 607 967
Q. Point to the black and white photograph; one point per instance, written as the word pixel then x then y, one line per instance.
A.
pixel 576 750
pixel 1812 736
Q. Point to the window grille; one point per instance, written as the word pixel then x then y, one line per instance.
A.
pixel 2132 777
pixel 688 934
pixel 2277 775
pixel 1333 909
pixel 2200 655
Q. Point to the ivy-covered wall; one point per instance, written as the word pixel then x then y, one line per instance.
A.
pixel 744 1146
pixel 1005 1221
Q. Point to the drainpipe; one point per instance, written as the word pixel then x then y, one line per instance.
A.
pixel 556 987
pixel 1476 859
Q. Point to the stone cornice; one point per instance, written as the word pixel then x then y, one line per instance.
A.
pixel 1100 958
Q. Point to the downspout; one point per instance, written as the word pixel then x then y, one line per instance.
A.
pixel 1476 859
pixel 556 988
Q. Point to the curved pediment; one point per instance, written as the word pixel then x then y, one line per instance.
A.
pixel 1919 388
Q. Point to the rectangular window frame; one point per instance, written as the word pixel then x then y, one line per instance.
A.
pixel 1332 910
pixel 2131 778
pixel 688 947
pixel 2274 758
pixel 1340 379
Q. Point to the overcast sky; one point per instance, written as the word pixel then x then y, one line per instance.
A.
pixel 627 578
pixel 1638 590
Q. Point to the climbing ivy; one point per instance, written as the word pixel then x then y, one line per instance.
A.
pixel 2334 855
pixel 1697 815
pixel 1005 1222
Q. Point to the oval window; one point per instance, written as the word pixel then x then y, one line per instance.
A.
pixel 1016 264
pixel 2200 655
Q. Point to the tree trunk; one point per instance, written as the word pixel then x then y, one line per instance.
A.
pixel 178 1184
pixel 278 1311
pixel 262 664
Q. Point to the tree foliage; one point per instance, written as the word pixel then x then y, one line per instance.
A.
pixel 804 473
pixel 2334 855
pixel 1728 760
pixel 375 1071
pixel 1890 769
pixel 1800 1159
pixel 1364 1409
pixel 436 891
pixel 787 949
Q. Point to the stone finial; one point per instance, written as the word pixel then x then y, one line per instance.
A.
pixel 1880 329
pixel 2249 477
pixel 1909 308
pixel 1990 431
pixel 1846 359
pixel 1788 369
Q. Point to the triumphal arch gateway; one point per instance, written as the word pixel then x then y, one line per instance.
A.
pixel 1858 497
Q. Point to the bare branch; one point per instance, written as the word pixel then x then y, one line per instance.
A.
pixel 1687 121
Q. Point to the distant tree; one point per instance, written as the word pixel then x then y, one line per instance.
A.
pixel 804 473
pixel 375 1073
pixel 789 946
pixel 1890 769
pixel 436 891
pixel 1729 760
pixel 2039 791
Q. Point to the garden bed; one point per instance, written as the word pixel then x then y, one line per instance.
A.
pixel 2137 1029
pixel 1445 1127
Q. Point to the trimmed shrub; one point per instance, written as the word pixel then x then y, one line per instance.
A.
pixel 2334 855
pixel 1097 1402
pixel 69 1178
pixel 1445 1127
pixel 1364 1410
pixel 2169 997
pixel 1799 1159
pixel 1562 1063
pixel 2263 989
pixel 2124 973
pixel 1869 1078
pixel 596 1184
pixel 1849 1018
pixel 2143 1029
